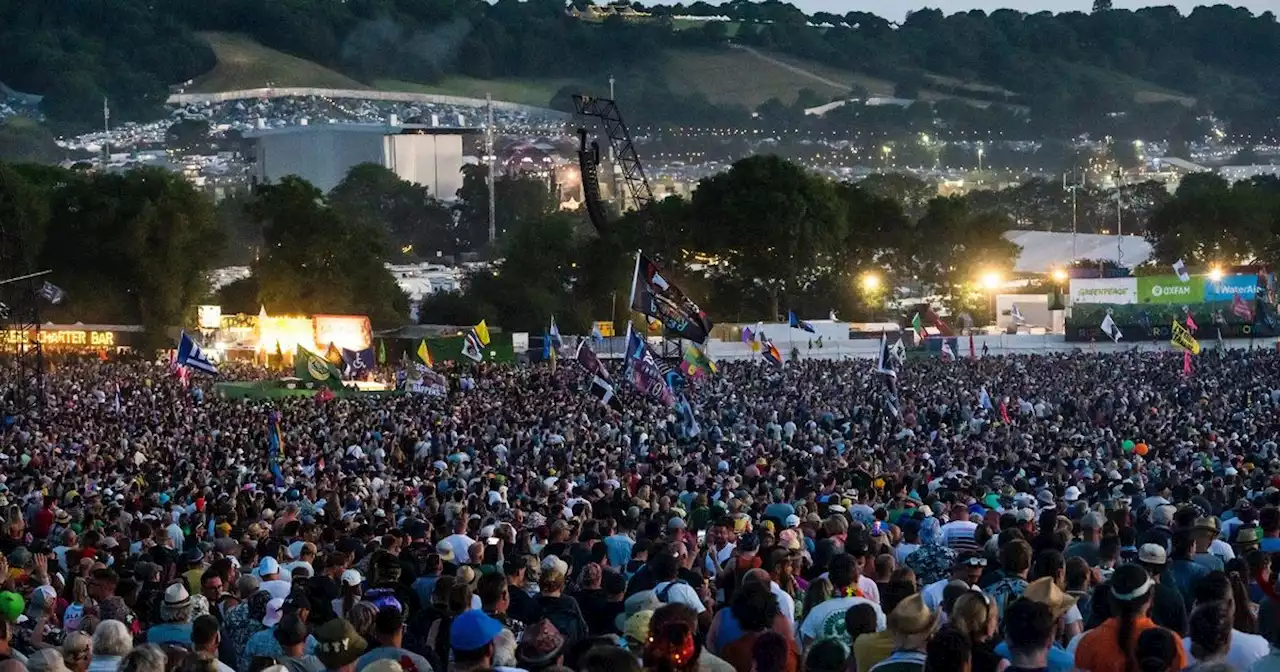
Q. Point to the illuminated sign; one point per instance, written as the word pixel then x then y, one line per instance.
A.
pixel 209 317
pixel 71 337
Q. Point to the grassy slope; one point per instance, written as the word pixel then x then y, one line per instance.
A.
pixel 245 64
pixel 730 76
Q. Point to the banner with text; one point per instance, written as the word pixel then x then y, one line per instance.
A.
pixel 1104 290
pixel 1169 289
pixel 1229 286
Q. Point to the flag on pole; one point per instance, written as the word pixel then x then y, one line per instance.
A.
pixel 275 448
pixel 1016 315
pixel 1191 321
pixel 696 364
pixel 423 355
pixel 311 367
pixel 917 326
pixel 948 355
pixel 471 347
pixel 1180 337
pixel 771 353
pixel 797 323
pixel 596 334
pixel 358 362
pixel 1110 328
pixel 587 359
pixel 1240 308
pixel 652 294
pixel 1186 362
pixel 1180 269
pixel 192 357
pixel 554 332
pixel 643 370
pixel 747 336
pixel 887 365
pixel 603 390
pixel 482 331
pixel 832 316
pixel 973 354
pixel 984 398
pixel 382 352
pixel 52 293
pixel 334 355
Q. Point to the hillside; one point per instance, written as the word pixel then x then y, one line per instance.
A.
pixel 243 63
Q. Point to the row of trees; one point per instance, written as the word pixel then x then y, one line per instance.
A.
pixel 755 241
pixel 1211 221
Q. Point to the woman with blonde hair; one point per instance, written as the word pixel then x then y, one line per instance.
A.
pixel 77 651
pixel 975 616
pixel 820 590
pixel 561 610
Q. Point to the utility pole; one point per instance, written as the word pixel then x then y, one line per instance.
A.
pixel 615 100
pixel 492 161
pixel 1119 219
pixel 1076 184
pixel 106 131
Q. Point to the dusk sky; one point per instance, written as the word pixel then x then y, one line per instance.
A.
pixel 896 9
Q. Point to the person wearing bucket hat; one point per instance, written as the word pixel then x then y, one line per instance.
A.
pixel 339 646
pixel 541 646
pixel 175 617
pixel 911 624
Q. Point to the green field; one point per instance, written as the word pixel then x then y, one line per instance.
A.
pixel 245 64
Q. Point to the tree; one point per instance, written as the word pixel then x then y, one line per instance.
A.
pixel 1100 6
pixel 517 199
pixel 771 223
pixel 911 193
pixel 416 224
pixel 315 261
pixel 952 244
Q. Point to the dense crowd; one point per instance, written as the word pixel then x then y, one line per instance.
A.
pixel 1055 512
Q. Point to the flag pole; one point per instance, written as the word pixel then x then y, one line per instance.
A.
pixel 635 277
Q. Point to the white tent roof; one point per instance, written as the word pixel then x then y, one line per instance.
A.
pixel 1044 250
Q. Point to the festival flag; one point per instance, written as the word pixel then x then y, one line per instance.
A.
pixel 382 352
pixel 1180 337
pixel 587 359
pixel 423 355
pixel 596 334
pixel 358 362
pixel 832 316
pixel 696 364
pixel 603 390
pixel 311 367
pixel 482 332
pixel 1016 315
pixel 1191 321
pixel 333 355
pixel 984 398
pixel 554 332
pixel 1110 328
pixel 948 355
pixel 747 336
pixel 655 296
pixel 1180 269
pixel 192 357
pixel 643 370
pixel 1186 362
pixel 797 323
pixel 1240 308
pixel 275 448
pixel 887 364
pixel 917 327
pixel 471 347
pixel 1004 412
pixel 771 353
pixel 52 293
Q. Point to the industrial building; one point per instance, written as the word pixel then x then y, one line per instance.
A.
pixel 323 153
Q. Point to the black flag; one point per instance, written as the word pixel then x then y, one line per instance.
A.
pixel 653 295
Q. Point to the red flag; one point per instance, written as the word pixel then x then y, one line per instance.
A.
pixel 1240 308
pixel 1191 322
pixel 972 353
pixel 1186 362
pixel 1004 413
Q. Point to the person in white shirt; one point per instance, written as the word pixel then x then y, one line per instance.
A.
pixel 459 542
pixel 269 572
pixel 778 566
pixel 671 590
pixel 1213 595
pixel 827 619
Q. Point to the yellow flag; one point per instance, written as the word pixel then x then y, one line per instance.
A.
pixel 1180 337
pixel 424 355
pixel 482 333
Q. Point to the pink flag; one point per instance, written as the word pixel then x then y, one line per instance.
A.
pixel 1191 322
pixel 1240 308
pixel 1186 362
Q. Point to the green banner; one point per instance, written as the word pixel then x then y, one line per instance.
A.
pixel 1169 289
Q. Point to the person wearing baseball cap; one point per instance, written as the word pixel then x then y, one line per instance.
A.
pixel 471 635
pixel 1168 609
pixel 338 645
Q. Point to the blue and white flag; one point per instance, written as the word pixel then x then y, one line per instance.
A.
pixel 984 399
pixel 358 361
pixel 797 323
pixel 554 333
pixel 52 293
pixel 191 356
pixel 1017 315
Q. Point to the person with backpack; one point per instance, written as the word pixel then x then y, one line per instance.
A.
pixel 671 589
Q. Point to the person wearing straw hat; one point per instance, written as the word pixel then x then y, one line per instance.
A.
pixel 911 624
pixel 175 617
pixel 1046 591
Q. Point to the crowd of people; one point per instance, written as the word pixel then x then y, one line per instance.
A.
pixel 1055 512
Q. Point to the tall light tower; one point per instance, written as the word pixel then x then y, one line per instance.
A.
pixel 492 161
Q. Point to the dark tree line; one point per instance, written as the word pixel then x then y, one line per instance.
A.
pixel 1070 69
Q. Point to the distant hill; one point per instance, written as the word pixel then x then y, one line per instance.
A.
pixel 243 63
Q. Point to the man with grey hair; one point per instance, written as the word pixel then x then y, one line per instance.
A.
pixel 145 658
pixel 111 643
pixel 1086 547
